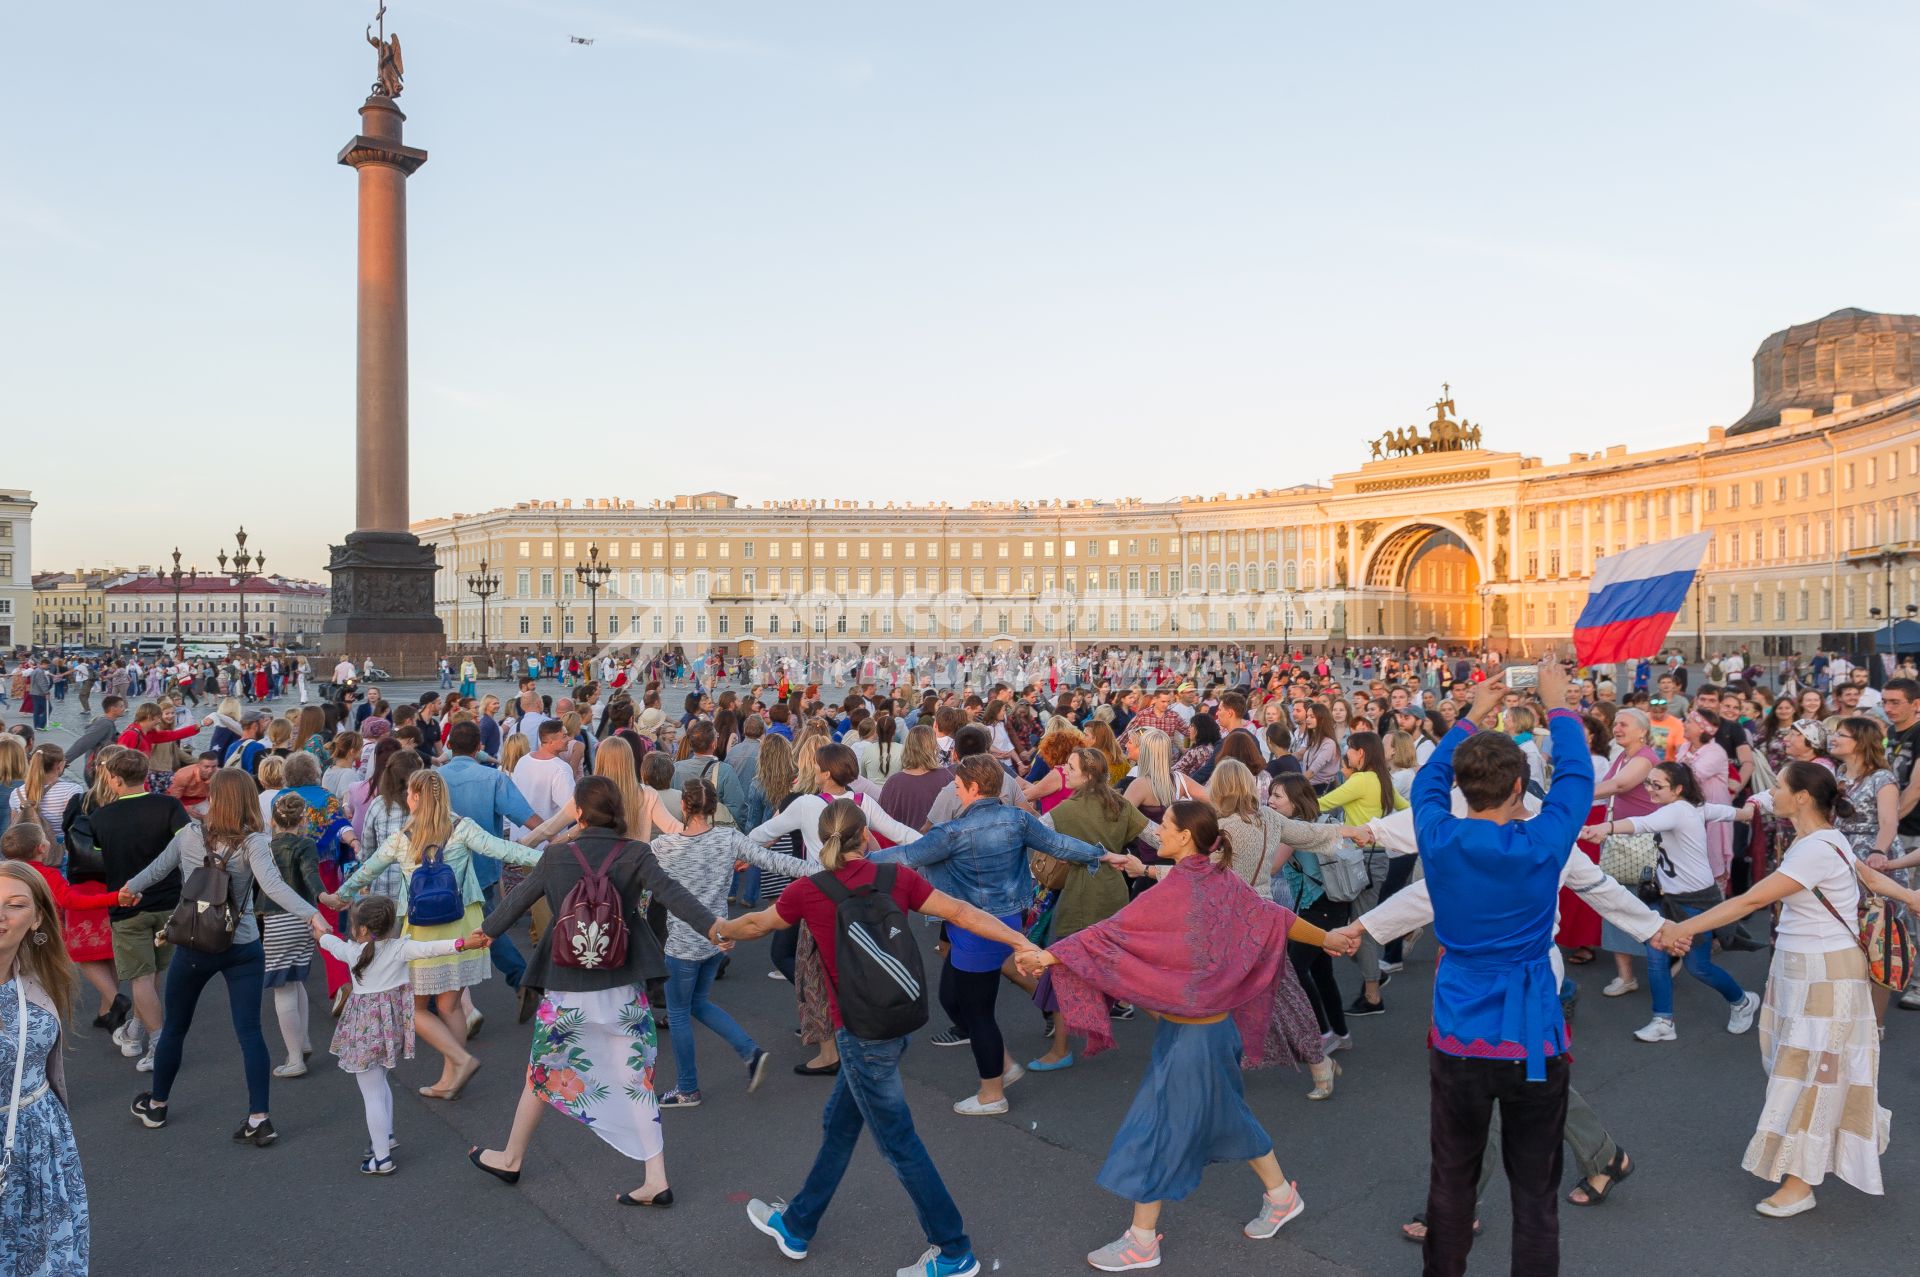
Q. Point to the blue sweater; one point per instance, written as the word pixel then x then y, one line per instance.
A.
pixel 1495 889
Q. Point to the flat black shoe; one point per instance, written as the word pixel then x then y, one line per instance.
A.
pixel 1360 1006
pixel 662 1199
pixel 807 1070
pixel 505 1177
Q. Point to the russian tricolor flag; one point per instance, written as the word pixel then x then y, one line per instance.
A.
pixel 1634 598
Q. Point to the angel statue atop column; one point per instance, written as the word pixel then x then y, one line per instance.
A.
pixel 391 67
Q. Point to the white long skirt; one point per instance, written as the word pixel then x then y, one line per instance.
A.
pixel 1820 1046
pixel 592 1059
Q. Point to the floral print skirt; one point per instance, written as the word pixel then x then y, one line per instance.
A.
pixel 375 1030
pixel 592 1059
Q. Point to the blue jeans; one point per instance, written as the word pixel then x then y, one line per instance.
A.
pixel 245 969
pixel 687 987
pixel 1698 964
pixel 505 954
pixel 868 1093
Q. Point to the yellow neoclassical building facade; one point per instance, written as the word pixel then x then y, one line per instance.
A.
pixel 1812 500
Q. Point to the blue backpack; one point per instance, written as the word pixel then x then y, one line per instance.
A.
pixel 433 893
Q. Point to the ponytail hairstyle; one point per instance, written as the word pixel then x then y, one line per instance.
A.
pixel 1197 819
pixel 1684 782
pixel 378 915
pixel 883 737
pixel 843 833
pixel 1818 784
pixel 697 798
pixel 43 768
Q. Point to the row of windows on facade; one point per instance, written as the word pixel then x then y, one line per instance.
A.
pixel 1118 621
pixel 150 625
pixel 658 585
pixel 1751 494
pixel 1806 539
pixel 1290 539
pixel 265 603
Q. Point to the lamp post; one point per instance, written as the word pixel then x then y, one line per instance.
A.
pixel 593 574
pixel 177 576
pixel 1700 616
pixel 1890 556
pixel 486 586
pixel 1486 591
pixel 246 565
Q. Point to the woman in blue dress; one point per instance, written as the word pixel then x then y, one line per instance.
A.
pixel 44 1227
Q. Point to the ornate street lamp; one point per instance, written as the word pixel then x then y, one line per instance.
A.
pixel 486 586
pixel 1890 557
pixel 177 576
pixel 593 574
pixel 245 566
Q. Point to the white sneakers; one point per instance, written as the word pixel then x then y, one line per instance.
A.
pixel 1332 1041
pixel 145 1062
pixel 1744 1012
pixel 1658 1029
pixel 297 1068
pixel 1618 988
pixel 131 1038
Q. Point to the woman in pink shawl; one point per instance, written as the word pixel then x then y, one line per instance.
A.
pixel 1710 766
pixel 1207 957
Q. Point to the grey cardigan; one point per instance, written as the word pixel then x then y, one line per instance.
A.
pixel 634 872
pixel 188 851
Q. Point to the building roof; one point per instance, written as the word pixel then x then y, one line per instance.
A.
pixel 214 583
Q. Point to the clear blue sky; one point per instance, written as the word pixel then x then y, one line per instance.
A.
pixel 911 251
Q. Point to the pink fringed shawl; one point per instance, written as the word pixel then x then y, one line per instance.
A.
pixel 1201 943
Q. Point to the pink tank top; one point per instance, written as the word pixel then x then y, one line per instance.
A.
pixel 1049 801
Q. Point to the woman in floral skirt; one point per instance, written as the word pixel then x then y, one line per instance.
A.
pixel 593 1036
pixel 45 1229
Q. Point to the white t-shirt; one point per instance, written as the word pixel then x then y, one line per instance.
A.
pixel 529 726
pixel 53 802
pixel 546 784
pixel 1683 836
pixel 1805 924
pixel 388 967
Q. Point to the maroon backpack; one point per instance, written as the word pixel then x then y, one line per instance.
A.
pixel 590 931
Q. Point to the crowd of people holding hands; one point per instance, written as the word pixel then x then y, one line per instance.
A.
pixel 1102 835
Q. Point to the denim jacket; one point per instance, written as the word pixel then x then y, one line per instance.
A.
pixel 980 856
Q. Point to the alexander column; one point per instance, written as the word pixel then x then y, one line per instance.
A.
pixel 382 606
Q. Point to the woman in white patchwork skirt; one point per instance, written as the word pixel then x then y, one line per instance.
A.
pixel 434 841
pixel 593 1036
pixel 1819 1041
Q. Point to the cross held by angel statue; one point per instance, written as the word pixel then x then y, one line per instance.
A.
pixel 391 68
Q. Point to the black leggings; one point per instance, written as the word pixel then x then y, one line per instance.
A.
pixel 968 997
pixel 1315 967
pixel 784 950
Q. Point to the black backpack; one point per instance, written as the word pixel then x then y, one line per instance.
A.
pixel 881 988
pixel 205 918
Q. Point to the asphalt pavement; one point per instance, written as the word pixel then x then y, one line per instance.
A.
pixel 1025 1182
